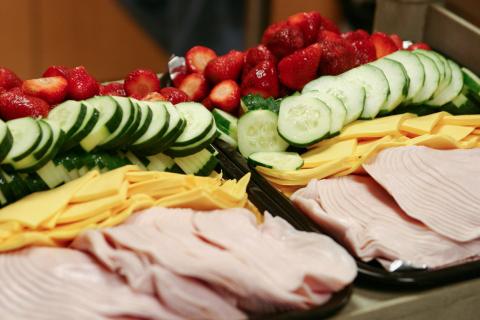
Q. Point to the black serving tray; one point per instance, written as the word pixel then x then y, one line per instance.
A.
pixel 370 274
pixel 263 202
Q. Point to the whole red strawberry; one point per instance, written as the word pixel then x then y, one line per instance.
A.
pixel 419 45
pixel 300 67
pixel 356 35
pixel 15 105
pixel 141 82
pixel 226 96
pixel 397 40
pixel 283 39
pixel 328 25
pixel 51 89
pixel 198 57
pixel 338 56
pixel 362 46
pixel 207 103
pixel 383 44
pixel 261 80
pixel 254 56
pixel 195 85
pixel 174 95
pixel 308 23
pixel 226 67
pixel 112 89
pixel 328 35
pixel 8 79
pixel 55 71
pixel 81 85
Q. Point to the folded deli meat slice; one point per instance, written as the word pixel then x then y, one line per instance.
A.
pixel 221 264
pixel 438 187
pixel 57 283
pixel 365 218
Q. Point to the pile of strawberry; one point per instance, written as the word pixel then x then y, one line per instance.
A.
pixel 292 53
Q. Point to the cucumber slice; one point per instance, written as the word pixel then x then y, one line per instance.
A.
pixel 33 182
pixel 108 121
pixel 226 122
pixel 472 82
pixel 5 188
pixel 453 90
pixel 16 185
pixel 160 162
pixel 351 94
pixel 432 80
pixel 50 175
pixel 257 131
pixel 135 160
pixel 6 140
pixel 145 115
pixel 414 69
pixel 226 138
pixel 26 135
pixel 69 116
pixel 91 118
pixel 376 88
pixel 338 112
pixel 442 66
pixel 157 127
pixel 276 160
pixel 119 136
pixel 201 163
pixel 462 104
pixel 303 120
pixel 183 151
pixel 398 83
pixel 199 123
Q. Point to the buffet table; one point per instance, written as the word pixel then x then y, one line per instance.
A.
pixel 455 301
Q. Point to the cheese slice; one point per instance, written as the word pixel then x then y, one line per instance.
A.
pixel 422 125
pixel 462 120
pixel 25 239
pixel 317 156
pixel 456 132
pixel 476 131
pixel 37 207
pixel 376 128
pixel 136 203
pixel 435 141
pixel 70 231
pixel 159 186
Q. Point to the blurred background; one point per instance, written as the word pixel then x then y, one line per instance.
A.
pixel 112 37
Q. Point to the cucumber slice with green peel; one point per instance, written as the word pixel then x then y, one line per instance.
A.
pixel 26 134
pixel 226 122
pixel 350 93
pixel 414 69
pixel 91 118
pixel 201 163
pixel 157 128
pixel 276 160
pixel 398 83
pixel 199 123
pixel 69 116
pixel 50 175
pixel 303 120
pixel 119 136
pixel 432 80
pixel 257 131
pixel 462 104
pixel 5 188
pixel 135 160
pixel 145 115
pixel 16 185
pixel 183 151
pixel 108 121
pixel 453 89
pixel 373 80
pixel 6 140
pixel 472 82
pixel 338 112
pixel 33 182
pixel 442 66
pixel 226 138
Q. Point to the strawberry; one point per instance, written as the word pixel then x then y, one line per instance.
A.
pixel 55 71
pixel 419 45
pixel 8 79
pixel 140 82
pixel 308 23
pixel 283 39
pixel 300 67
pixel 195 86
pixel 383 44
pixel 226 95
pixel 81 85
pixel 178 74
pixel 328 25
pixel 262 80
pixel 356 35
pixel 51 89
pixel 397 40
pixel 226 67
pixel 15 105
pixel 207 103
pixel 363 48
pixel 254 56
pixel 154 96
pixel 328 35
pixel 338 56
pixel 112 89
pixel 174 95
pixel 198 57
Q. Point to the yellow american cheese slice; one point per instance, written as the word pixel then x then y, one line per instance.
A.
pixel 104 185
pixel 71 230
pixel 135 203
pixel 159 186
pixel 24 239
pixel 456 132
pixel 422 125
pixel 32 210
pixel 476 131
pixel 463 120
pixel 84 210
pixel 376 128
pixel 317 156
pixel 435 141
